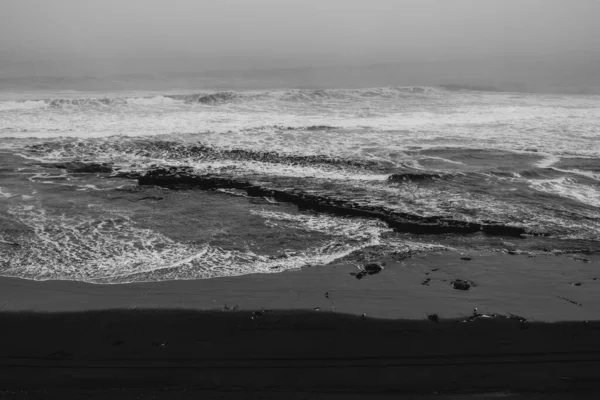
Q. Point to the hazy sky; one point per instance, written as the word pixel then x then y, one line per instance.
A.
pixel 249 33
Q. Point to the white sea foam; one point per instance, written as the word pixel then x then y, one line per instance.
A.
pixel 4 193
pixel 114 250
pixel 588 174
pixel 22 105
pixel 371 122
pixel 569 188
pixel 547 161
pixel 156 100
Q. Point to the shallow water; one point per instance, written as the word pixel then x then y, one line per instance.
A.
pixel 525 161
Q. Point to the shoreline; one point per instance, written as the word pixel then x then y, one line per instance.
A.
pixel 318 329
pixel 541 288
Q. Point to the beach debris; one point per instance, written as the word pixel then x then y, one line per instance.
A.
pixel 10 243
pixel 227 307
pixel 364 315
pixel 577 284
pixel 582 259
pixel 317 309
pixel 373 268
pixel 426 282
pixel 258 314
pixel 358 275
pixel 460 284
pixel 477 315
pixel 118 343
pixel 570 301
pixel 433 318
pixel 466 258
pixel 368 269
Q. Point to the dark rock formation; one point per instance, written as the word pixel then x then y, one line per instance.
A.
pixel 373 268
pixel 412 176
pixel 83 167
pixel 460 284
pixel 433 318
pixel 183 178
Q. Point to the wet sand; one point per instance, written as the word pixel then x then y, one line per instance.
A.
pixel 542 288
pixel 317 330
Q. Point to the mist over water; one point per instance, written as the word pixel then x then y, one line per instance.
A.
pixel 545 46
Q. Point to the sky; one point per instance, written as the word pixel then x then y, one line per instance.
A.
pixel 111 36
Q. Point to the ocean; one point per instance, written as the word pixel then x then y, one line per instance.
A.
pixel 150 186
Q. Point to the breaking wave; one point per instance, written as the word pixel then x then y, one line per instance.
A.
pixel 218 98
pixel 115 250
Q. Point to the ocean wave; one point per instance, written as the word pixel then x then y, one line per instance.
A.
pixel 569 188
pixel 22 105
pixel 456 87
pixel 114 249
pixel 86 102
pixel 218 98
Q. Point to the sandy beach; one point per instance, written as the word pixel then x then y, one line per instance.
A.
pixel 317 330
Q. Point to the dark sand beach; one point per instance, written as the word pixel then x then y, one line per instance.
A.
pixel 317 332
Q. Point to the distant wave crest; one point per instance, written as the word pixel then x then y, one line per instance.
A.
pixel 220 98
pixel 456 87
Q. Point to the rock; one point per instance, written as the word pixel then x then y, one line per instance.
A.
pixel 585 260
pixel 433 318
pixel 182 178
pixel 373 268
pixel 412 176
pixel 82 167
pixel 460 284
pixel 503 230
